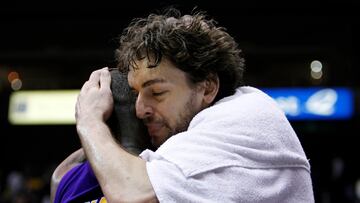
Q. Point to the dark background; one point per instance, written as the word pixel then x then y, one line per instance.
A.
pixel 56 45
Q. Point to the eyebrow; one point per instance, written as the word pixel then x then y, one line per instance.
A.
pixel 153 81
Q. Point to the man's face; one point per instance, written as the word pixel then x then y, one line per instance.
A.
pixel 166 101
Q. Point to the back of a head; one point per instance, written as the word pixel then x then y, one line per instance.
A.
pixel 127 129
pixel 195 44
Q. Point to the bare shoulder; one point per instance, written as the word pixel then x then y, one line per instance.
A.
pixel 70 162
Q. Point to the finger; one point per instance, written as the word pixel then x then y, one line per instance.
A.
pixel 85 86
pixel 95 77
pixel 105 79
pixel 77 107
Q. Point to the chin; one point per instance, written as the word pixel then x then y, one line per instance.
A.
pixel 157 141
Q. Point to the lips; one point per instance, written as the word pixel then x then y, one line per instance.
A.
pixel 153 128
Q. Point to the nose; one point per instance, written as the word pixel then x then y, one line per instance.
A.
pixel 142 107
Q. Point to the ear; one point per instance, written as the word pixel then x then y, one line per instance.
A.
pixel 211 88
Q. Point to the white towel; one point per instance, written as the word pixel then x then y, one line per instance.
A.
pixel 251 126
pixel 246 130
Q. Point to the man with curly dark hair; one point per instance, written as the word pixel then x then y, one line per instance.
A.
pixel 218 140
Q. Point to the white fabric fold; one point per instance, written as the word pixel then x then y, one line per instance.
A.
pixel 246 131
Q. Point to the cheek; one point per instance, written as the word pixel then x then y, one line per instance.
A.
pixel 169 110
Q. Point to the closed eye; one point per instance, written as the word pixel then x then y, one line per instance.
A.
pixel 155 94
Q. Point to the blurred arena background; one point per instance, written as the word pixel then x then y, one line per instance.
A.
pixel 304 53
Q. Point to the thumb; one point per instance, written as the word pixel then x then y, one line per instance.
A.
pixel 105 79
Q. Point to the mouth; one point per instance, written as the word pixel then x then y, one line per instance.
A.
pixel 154 128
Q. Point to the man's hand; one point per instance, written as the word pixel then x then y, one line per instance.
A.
pixel 122 176
pixel 95 100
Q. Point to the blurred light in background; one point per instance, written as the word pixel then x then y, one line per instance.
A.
pixel 314 103
pixel 316 70
pixel 14 80
pixel 16 84
pixel 12 76
pixel 42 107
pixel 58 106
pixel 316 66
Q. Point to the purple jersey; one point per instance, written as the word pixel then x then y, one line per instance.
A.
pixel 79 185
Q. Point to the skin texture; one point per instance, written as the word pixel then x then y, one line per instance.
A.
pixel 166 101
pixel 71 161
pixel 190 55
pixel 126 128
pixel 122 176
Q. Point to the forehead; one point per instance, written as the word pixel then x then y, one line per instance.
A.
pixel 165 71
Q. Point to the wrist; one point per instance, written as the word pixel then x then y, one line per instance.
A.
pixel 87 123
pixel 89 119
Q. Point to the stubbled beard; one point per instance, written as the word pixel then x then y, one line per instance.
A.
pixel 186 115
